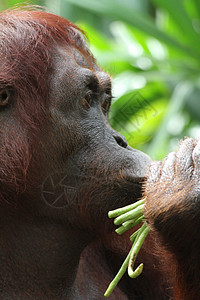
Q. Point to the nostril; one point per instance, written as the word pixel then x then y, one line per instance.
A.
pixel 121 141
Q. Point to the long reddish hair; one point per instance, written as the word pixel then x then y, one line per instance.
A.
pixel 28 37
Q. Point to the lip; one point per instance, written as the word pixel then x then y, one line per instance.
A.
pixel 140 168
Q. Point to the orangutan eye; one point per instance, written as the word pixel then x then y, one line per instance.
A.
pixel 106 104
pixel 87 100
pixel 92 92
pixel 4 97
pixel 89 97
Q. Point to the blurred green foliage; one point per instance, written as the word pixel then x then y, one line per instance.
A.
pixel 151 49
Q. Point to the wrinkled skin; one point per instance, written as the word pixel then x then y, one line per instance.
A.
pixel 172 210
pixel 42 238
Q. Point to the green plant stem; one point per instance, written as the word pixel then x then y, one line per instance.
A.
pixel 128 224
pixel 134 235
pixel 117 278
pixel 133 214
pixel 119 211
pixel 129 216
pixel 141 236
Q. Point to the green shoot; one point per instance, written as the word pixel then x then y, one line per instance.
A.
pixel 128 217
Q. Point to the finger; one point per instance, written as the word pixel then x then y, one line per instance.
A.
pixel 196 159
pixel 168 167
pixel 184 161
pixel 154 171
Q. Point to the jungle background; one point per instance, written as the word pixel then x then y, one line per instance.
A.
pixel 151 48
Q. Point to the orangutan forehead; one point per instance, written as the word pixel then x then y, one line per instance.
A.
pixel 83 58
pixel 85 61
pixel 38 29
pixel 29 39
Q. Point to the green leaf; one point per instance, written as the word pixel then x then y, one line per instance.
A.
pixel 98 40
pixel 197 5
pixel 54 6
pixel 160 141
pixel 180 16
pixel 116 11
